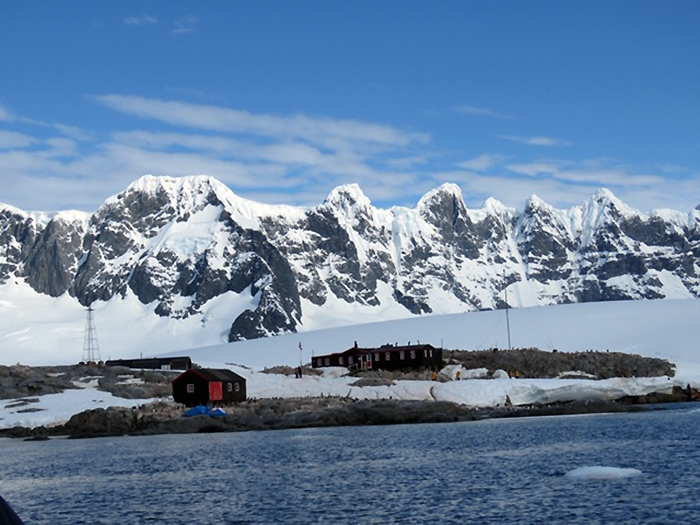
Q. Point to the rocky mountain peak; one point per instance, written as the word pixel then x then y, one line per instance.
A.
pixel 190 245
pixel 347 197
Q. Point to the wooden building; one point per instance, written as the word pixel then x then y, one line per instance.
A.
pixel 207 386
pixel 154 363
pixel 386 357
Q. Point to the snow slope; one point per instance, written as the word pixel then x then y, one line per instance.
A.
pixel 664 328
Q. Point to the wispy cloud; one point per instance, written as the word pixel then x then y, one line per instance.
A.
pixel 141 20
pixel 536 141
pixel 185 24
pixel 299 156
pixel 14 140
pixel 479 111
pixel 5 115
pixel 293 159
pixel 591 173
pixel 482 162
pixel 320 130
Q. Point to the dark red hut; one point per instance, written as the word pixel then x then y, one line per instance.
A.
pixel 208 386
pixel 387 357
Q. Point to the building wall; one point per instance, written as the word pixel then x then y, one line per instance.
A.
pixel 197 394
pixel 231 391
pixel 384 358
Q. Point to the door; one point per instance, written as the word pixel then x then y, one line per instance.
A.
pixel 216 391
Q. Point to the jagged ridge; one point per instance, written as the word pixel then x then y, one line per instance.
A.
pixel 183 242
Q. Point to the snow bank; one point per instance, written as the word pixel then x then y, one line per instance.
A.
pixel 55 409
pixel 489 393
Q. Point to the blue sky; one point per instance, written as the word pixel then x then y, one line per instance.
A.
pixel 283 101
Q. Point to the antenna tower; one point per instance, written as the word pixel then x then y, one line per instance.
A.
pixel 91 350
pixel 510 347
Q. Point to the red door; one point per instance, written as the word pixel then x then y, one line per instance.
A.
pixel 216 391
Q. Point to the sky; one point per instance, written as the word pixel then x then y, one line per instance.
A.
pixel 283 101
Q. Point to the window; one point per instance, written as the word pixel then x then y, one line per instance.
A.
pixel 328 361
pixel 402 355
pixel 425 353
pixel 341 360
pixel 376 356
pixel 413 354
pixel 431 353
pixel 319 362
pixel 190 388
pixel 229 387
pixel 387 356
pixel 238 387
pixel 350 360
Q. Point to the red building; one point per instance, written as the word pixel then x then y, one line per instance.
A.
pixel 207 386
pixel 386 357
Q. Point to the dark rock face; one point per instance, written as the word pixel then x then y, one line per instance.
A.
pixel 17 236
pixel 20 381
pixel 179 243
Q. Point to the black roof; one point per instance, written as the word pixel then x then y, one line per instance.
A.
pixel 384 348
pixel 213 374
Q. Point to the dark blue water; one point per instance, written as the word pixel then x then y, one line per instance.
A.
pixel 498 471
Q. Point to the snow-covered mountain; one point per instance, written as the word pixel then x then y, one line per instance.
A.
pixel 194 251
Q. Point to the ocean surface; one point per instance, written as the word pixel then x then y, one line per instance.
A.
pixel 496 471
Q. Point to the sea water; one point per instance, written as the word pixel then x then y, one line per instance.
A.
pixel 526 470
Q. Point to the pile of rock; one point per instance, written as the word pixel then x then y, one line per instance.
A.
pixel 535 363
pixel 20 381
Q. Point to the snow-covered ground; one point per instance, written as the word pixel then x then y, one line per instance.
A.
pixel 665 329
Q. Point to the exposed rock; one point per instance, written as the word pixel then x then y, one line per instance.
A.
pixel 346 249
pixel 534 363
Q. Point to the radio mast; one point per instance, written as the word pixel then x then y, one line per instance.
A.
pixel 91 349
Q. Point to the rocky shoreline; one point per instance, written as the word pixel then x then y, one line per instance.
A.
pixel 166 417
pixel 23 385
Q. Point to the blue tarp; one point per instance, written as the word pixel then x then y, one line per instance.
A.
pixel 197 411
pixel 204 410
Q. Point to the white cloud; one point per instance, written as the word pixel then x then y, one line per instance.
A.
pixel 319 130
pixel 479 111
pixel 536 141
pixel 73 132
pixel 13 140
pixel 140 20
pixel 294 159
pixel 185 24
pixel 5 115
pixel 592 173
pixel 482 162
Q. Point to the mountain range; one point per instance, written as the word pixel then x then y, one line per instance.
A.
pixel 184 244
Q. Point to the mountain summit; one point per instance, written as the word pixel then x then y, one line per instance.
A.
pixel 189 245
